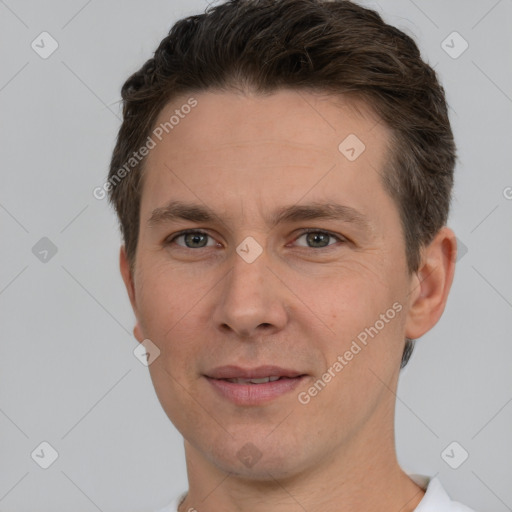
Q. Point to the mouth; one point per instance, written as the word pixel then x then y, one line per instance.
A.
pixel 253 386
pixel 263 380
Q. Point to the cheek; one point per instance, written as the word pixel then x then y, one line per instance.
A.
pixel 170 316
pixel 170 310
pixel 360 317
pixel 346 300
pixel 166 294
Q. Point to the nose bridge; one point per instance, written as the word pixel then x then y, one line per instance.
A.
pixel 249 298
pixel 246 279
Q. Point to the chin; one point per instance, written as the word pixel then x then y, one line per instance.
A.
pixel 258 458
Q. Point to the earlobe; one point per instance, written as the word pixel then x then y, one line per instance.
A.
pixel 126 273
pixel 432 283
pixel 137 332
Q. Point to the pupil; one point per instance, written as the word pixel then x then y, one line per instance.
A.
pixel 195 239
pixel 318 239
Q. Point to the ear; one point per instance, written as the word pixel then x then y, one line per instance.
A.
pixel 431 284
pixel 126 273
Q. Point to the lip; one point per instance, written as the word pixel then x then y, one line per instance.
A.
pixel 253 394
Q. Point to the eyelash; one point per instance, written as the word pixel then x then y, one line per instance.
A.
pixel 303 232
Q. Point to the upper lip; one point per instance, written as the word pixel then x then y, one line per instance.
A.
pixel 236 372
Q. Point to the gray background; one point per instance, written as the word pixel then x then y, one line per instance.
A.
pixel 68 375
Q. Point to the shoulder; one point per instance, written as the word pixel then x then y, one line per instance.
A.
pixel 436 499
pixel 173 506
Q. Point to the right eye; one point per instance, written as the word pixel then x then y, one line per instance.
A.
pixel 192 239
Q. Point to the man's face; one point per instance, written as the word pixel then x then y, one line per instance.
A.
pixel 297 306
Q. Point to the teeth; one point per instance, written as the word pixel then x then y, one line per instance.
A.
pixel 263 380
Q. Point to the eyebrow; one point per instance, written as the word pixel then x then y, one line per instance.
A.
pixel 179 210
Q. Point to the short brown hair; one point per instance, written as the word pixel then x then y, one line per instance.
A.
pixel 332 46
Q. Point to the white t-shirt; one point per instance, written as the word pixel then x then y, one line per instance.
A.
pixel 435 499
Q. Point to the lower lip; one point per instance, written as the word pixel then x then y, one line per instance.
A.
pixel 254 394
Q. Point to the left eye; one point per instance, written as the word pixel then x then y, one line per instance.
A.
pixel 317 239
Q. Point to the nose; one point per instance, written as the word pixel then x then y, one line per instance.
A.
pixel 251 300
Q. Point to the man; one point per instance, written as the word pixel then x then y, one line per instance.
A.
pixel 282 178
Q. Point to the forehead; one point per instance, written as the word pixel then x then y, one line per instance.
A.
pixel 308 120
pixel 263 147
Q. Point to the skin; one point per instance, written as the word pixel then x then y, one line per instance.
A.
pixel 298 305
